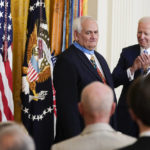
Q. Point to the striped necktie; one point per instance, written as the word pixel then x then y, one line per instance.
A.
pixel 92 60
pixel 147 68
pixel 145 51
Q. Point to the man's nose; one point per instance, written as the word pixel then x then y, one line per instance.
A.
pixel 142 35
pixel 93 35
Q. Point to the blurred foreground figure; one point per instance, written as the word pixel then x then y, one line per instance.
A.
pixel 14 137
pixel 139 108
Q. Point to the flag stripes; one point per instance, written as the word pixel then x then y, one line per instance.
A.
pixel 6 97
pixel 32 74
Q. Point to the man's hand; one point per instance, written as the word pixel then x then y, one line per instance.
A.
pixel 136 65
pixel 145 61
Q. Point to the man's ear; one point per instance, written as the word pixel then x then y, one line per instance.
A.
pixel 80 108
pixel 76 35
pixel 113 108
pixel 133 116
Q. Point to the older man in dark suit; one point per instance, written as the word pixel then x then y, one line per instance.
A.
pixel 139 107
pixel 78 66
pixel 134 61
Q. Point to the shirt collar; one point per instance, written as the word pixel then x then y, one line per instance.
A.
pixel 96 127
pixel 146 133
pixel 84 50
pixel 142 50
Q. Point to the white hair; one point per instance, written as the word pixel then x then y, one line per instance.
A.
pixel 77 24
pixel 144 19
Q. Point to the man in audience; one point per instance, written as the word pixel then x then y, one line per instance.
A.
pixel 139 107
pixel 14 137
pixel 96 107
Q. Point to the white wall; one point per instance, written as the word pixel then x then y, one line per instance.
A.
pixel 118 21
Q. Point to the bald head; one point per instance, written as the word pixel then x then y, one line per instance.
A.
pixel 97 100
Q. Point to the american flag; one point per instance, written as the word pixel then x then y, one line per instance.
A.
pixel 6 98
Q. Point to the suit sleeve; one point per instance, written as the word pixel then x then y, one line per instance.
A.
pixel 120 71
pixel 65 82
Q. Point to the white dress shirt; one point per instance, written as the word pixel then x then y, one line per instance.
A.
pixel 146 133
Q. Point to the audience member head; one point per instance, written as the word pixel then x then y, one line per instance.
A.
pixel 143 33
pixel 14 137
pixel 97 103
pixel 86 32
pixel 139 100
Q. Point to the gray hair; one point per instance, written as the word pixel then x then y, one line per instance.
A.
pixel 14 130
pixel 145 19
pixel 77 24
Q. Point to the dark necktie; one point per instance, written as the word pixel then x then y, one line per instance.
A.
pixel 98 71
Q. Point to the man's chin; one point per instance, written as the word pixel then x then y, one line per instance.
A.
pixel 92 47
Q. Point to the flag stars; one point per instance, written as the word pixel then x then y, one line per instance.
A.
pixel 37 4
pixel 3 37
pixel 1 48
pixel 9 27
pixel 44 112
pixel 29 116
pixel 31 8
pixel 1 14
pixel 33 117
pixel 9 17
pixel 41 117
pixel 26 110
pixel 2 4
pixel 8 38
pixel 36 117
pixel 49 109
